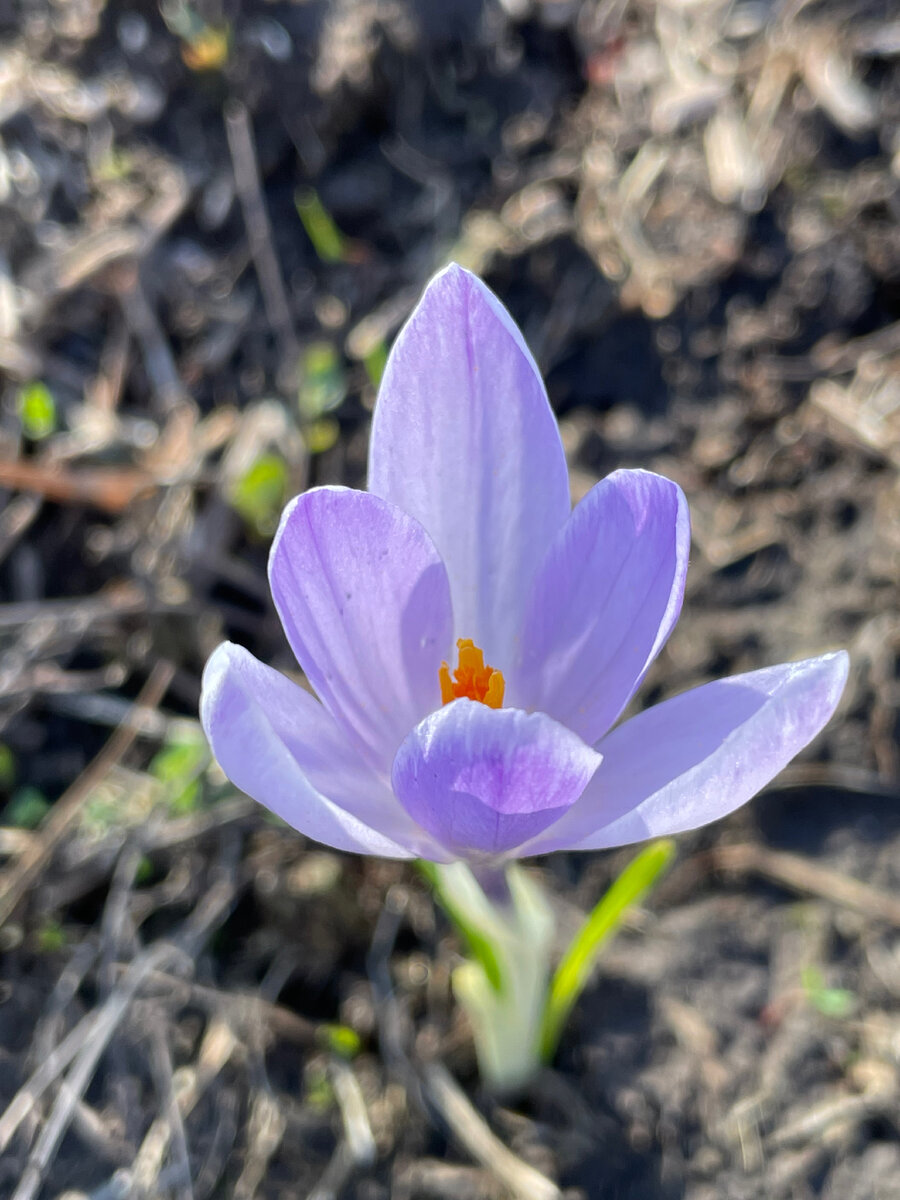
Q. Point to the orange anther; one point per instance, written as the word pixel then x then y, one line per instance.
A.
pixel 471 680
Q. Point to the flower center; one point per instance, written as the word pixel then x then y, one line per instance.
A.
pixel 471 680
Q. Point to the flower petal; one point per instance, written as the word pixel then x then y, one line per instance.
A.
pixel 464 440
pixel 701 755
pixel 605 599
pixel 278 744
pixel 483 780
pixel 365 603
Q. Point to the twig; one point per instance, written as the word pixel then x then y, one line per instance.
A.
pixel 241 1009
pixel 259 231
pixel 110 489
pixel 190 1083
pixel 355 1118
pixel 816 1121
pixel 66 809
pixel 106 1021
pixel 475 1136
pixel 161 1060
pixel 802 875
pixel 264 1133
pixel 46 1036
pixel 103 1025
pixel 143 322
pixel 357 1147
pixel 50 1068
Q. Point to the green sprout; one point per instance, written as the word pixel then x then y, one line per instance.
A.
pixel 573 973
pixel 26 809
pixel 328 241
pixel 178 767
pixel 838 1003
pixel 340 1040
pixel 322 385
pixel 7 767
pixel 37 410
pixel 375 361
pixel 260 493
pixel 51 937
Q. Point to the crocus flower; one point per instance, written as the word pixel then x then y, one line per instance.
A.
pixel 473 641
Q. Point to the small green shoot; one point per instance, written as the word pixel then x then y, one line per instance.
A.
pixel 479 944
pixel 321 435
pixel 145 871
pixel 323 386
pixel 51 937
pixel 838 1003
pixel 114 166
pixel 374 362
pixel 7 767
pixel 340 1040
pixel 573 973
pixel 328 241
pixel 26 809
pixel 37 410
pixel 178 767
pixel 260 493
pixel 318 1092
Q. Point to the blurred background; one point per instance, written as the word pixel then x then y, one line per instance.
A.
pixel 214 217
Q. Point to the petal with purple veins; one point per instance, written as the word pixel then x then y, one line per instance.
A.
pixel 483 780
pixel 604 601
pixel 465 441
pixel 279 745
pixel 699 756
pixel 365 603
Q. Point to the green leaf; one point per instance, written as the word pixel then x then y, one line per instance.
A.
pixel 375 361
pixel 340 1040
pixel 178 766
pixel 26 809
pixel 37 409
pixel 829 1001
pixel 327 239
pixel 7 767
pixel 260 493
pixel 51 937
pixel 322 387
pixel 479 944
pixel 573 973
pixel 321 435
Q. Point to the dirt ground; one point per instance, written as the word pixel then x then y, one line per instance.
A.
pixel 213 219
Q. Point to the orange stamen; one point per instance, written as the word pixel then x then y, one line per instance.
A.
pixel 471 680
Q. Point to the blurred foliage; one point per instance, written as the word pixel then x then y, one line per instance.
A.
pixel 328 241
pixel 26 809
pixel 7 767
pixel 323 384
pixel 178 767
pixel 829 1001
pixel 318 1092
pixel 205 46
pixel 341 1040
pixel 260 493
pixel 51 937
pixel 375 361
pixel 37 409
pixel 573 973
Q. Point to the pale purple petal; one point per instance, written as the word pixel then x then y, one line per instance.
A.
pixel 605 599
pixel 278 744
pixel 464 439
pixel 365 603
pixel 700 755
pixel 483 780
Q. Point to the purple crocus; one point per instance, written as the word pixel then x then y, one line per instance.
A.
pixel 473 641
